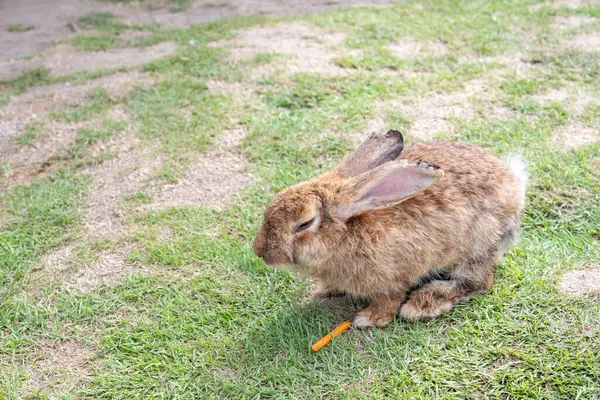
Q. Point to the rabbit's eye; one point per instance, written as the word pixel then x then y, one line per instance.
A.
pixel 304 225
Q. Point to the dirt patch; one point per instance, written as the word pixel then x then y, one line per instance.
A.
pixel 64 59
pixel 434 114
pixel 51 20
pixel 109 270
pixel 34 107
pixel 214 178
pixel 125 174
pixel 589 42
pixel 581 282
pixel 133 35
pixel 574 100
pixel 66 267
pixel 509 63
pixel 408 47
pixel 575 135
pixel 241 91
pixel 572 21
pixel 58 367
pixel 306 49
pixel 559 4
pixel 553 95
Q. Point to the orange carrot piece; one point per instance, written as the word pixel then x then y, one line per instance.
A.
pixel 338 330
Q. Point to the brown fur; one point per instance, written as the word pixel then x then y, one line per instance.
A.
pixel 460 226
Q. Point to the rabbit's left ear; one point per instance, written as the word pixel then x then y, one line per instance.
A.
pixel 389 184
pixel 377 149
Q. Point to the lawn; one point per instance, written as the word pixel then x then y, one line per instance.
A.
pixel 128 207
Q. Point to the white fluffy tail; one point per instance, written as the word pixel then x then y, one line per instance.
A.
pixel 518 167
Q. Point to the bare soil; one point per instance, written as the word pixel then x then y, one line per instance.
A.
pixel 108 269
pixel 410 48
pixel 58 367
pixel 126 173
pixel 215 177
pixel 434 114
pixel 35 106
pixel 589 42
pixel 581 282
pixel 51 19
pixel 305 48
pixel 574 134
pixel 572 21
pixel 64 59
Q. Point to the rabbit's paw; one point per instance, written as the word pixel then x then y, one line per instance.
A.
pixel 379 313
pixel 431 301
pixel 367 318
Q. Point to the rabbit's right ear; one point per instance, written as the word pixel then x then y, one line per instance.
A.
pixel 387 185
pixel 375 150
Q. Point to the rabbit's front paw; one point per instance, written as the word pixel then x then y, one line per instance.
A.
pixel 380 312
pixel 367 318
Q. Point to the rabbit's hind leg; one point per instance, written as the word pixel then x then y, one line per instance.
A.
pixel 438 296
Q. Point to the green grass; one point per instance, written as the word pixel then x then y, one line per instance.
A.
pixel 20 27
pixel 173 5
pixel 101 32
pixel 30 133
pixel 212 321
pixel 98 102
pixel 93 42
pixel 102 21
pixel 43 212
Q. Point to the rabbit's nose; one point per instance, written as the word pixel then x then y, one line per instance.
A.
pixel 258 250
pixel 258 246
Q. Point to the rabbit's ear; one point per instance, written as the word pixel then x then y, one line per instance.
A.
pixel 389 184
pixel 375 150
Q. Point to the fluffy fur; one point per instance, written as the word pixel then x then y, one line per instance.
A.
pixel 400 224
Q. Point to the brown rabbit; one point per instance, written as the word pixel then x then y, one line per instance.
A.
pixel 436 220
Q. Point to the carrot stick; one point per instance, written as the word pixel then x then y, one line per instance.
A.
pixel 338 330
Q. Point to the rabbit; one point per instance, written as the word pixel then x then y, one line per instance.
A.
pixel 413 230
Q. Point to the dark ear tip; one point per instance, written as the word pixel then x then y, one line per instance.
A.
pixel 393 132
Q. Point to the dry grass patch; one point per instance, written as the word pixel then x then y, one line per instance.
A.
pixel 35 105
pixel 64 59
pixel 214 178
pixel 581 282
pixel 82 270
pixel 572 22
pixel 239 91
pixel 58 368
pixel 408 47
pixel 589 42
pixel 574 134
pixel 307 49
pixel 126 173
pixel 560 4
pixel 435 113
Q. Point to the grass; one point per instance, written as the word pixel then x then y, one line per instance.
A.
pixel 102 31
pixel 20 27
pixel 30 133
pixel 98 102
pixel 93 42
pixel 211 321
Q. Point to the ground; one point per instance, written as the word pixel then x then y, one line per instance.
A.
pixel 138 152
